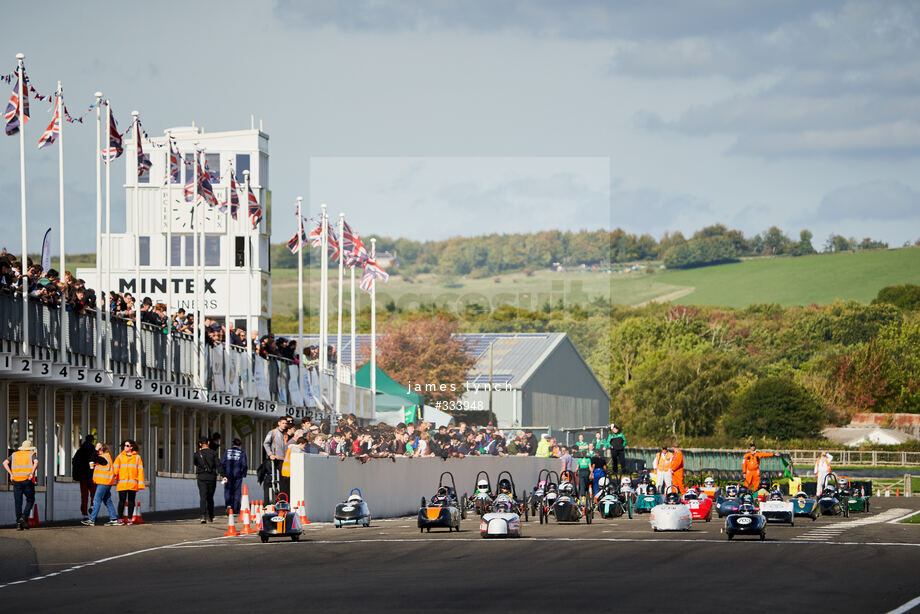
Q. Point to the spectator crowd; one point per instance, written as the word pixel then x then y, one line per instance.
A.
pixel 52 290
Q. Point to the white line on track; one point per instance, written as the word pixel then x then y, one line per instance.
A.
pixel 907 607
pixel 105 560
pixel 833 530
pixel 897 520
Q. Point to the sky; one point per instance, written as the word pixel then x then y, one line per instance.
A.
pixel 433 118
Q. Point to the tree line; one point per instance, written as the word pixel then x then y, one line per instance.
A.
pixel 492 254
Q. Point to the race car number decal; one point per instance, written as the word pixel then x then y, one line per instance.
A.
pixel 744 521
pixel 278 519
pixel 693 504
pixel 348 508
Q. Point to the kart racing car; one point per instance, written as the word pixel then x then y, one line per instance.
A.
pixel 482 497
pixel 352 511
pixel 731 502
pixel 611 502
pixel 279 520
pixel 776 509
pixel 804 506
pixel 700 505
pixel 444 509
pixel 747 521
pixel 504 517
pixel 672 515
pixel 566 506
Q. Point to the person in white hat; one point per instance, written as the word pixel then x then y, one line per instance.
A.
pixel 22 466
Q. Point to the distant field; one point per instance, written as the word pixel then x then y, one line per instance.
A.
pixel 787 281
pixel 518 289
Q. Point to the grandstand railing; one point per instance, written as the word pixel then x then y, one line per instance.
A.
pixel 168 357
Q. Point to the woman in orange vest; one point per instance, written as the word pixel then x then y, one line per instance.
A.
pixel 750 466
pixel 129 478
pixel 22 466
pixel 677 469
pixel 104 478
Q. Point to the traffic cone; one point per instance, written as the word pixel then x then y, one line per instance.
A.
pixel 244 502
pixel 302 512
pixel 33 521
pixel 231 525
pixel 898 493
pixel 878 492
pixel 246 520
pixel 887 492
pixel 137 518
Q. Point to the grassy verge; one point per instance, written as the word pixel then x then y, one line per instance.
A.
pixel 915 519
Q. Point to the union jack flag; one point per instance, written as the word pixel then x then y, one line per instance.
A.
pixel 174 161
pixel 143 160
pixel 372 272
pixel 332 241
pixel 355 251
pixel 234 197
pixel 115 148
pixel 255 210
pixel 52 131
pixel 205 190
pixel 299 239
pixel 12 110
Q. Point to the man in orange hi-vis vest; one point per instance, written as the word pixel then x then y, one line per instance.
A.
pixel 22 466
pixel 750 466
pixel 663 469
pixel 677 469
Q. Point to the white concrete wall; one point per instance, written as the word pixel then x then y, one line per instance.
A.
pixel 172 494
pixel 395 489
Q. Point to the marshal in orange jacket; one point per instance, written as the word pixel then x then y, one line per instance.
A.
pixel 129 471
pixel 750 466
pixel 677 469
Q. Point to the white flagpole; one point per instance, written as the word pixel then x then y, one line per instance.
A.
pixel 100 288
pixel 374 337
pixel 227 291
pixel 199 281
pixel 62 355
pixel 24 266
pixel 108 221
pixel 338 336
pixel 353 377
pixel 247 248
pixel 324 298
pixel 137 249
pixel 300 273
pixel 169 296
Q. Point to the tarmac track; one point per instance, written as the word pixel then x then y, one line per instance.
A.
pixel 866 566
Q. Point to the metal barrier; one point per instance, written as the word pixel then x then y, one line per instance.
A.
pixel 167 357
pixel 722 464
pixel 845 458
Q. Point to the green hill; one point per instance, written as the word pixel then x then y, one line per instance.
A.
pixel 787 281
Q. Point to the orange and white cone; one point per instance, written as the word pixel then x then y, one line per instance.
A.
pixel 137 518
pixel 33 521
pixel 244 501
pixel 231 525
pixel 302 512
pixel 246 520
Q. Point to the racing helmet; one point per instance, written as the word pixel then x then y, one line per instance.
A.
pixel 747 508
pixel 691 495
pixel 504 485
pixel 731 490
pixel 801 494
pixel 482 485
pixel 709 482
pixel 567 488
pixel 776 495
pixel 603 481
pixel 626 481
pixel 442 491
pixel 502 506
pixel 650 489
pixel 354 499
pixel 672 497
pixel 747 499
pixel 842 483
pixel 551 487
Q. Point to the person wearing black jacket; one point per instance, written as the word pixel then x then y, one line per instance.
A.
pixel 207 467
pixel 82 473
pixel 617 450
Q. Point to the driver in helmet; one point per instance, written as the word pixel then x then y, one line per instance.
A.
pixel 440 497
pixel 731 490
pixel 566 488
pixel 776 495
pixel 504 486
pixel 482 488
pixel 672 497
pixel 603 488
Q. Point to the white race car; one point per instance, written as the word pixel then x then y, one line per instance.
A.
pixel 672 515
pixel 502 521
